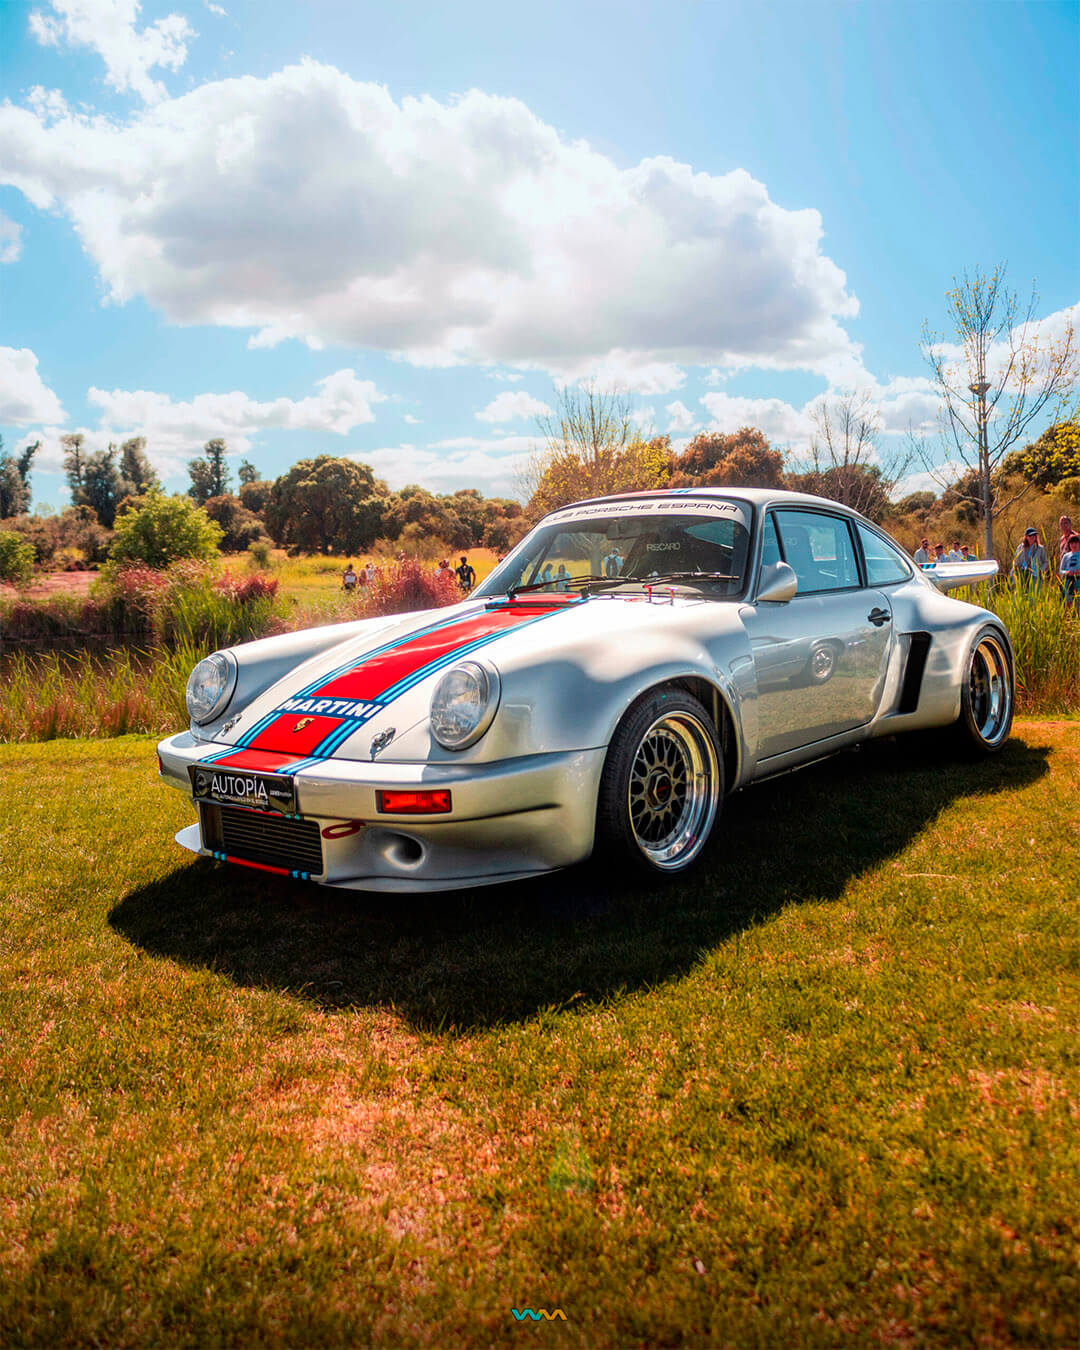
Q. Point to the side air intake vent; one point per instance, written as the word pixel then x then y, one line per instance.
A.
pixel 918 649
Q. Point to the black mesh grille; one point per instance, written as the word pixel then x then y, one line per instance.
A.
pixel 259 837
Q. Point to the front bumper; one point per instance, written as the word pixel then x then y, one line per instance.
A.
pixel 512 819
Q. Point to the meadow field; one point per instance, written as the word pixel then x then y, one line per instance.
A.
pixel 825 1094
pixel 313 581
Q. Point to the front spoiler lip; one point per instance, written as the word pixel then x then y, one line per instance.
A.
pixel 189 838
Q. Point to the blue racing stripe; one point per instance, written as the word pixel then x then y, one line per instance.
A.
pixel 337 738
pixel 399 641
pixel 260 726
pixel 449 658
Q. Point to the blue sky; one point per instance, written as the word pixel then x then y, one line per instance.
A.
pixel 388 231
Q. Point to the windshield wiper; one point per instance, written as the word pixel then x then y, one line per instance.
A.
pixel 593 579
pixel 682 576
pixel 556 582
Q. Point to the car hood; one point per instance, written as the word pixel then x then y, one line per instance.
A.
pixel 359 698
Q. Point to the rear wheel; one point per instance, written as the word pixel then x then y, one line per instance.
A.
pixel 662 785
pixel 986 695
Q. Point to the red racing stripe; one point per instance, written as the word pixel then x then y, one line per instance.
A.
pixel 265 761
pixel 295 734
pixel 259 867
pixel 370 678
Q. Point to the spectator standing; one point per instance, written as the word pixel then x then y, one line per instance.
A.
pixel 965 553
pixel 613 563
pixel 922 553
pixel 1070 570
pixel 562 578
pixel 939 554
pixel 349 578
pixel 370 570
pixel 466 575
pixel 443 569
pixel 954 552
pixel 1065 525
pixel 1030 563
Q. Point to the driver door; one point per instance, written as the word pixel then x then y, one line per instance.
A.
pixel 821 658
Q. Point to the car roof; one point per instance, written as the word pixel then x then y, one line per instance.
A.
pixel 755 496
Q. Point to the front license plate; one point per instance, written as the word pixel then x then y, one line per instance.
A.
pixel 238 787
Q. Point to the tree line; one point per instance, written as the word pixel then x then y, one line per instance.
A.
pixel 330 504
pixel 327 504
pixel 994 373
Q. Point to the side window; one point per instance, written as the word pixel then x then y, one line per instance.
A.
pixel 884 563
pixel 820 549
pixel 770 546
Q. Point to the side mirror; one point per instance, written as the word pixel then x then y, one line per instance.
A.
pixel 778 584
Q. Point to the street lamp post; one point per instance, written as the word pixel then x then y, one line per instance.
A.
pixel 979 389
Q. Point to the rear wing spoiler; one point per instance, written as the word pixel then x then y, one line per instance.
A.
pixel 947 576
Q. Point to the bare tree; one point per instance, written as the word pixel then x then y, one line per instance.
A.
pixel 845 461
pixel 591 448
pixel 994 380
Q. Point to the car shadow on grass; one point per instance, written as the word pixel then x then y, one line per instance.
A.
pixel 463 960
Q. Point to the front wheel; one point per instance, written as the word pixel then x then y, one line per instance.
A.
pixel 986 695
pixel 662 785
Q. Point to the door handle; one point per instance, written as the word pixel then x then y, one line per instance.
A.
pixel 879 616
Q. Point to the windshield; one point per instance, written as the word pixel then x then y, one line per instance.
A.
pixel 632 543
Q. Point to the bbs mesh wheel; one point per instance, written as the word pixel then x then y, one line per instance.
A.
pixel 662 785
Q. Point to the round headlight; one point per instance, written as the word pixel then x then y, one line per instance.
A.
pixel 210 686
pixel 463 704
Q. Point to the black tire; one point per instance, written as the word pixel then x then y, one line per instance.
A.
pixel 662 786
pixel 986 695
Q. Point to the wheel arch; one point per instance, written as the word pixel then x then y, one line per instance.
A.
pixel 715 701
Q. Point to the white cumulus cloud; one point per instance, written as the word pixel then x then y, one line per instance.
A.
pixel 176 428
pixel 307 204
pixel 680 418
pixel 511 404
pixel 108 27
pixel 24 396
pixel 10 239
pixel 779 421
pixel 1038 340
pixel 902 404
pixel 492 465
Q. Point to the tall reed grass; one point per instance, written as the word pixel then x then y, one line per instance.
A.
pixel 44 695
pixel 52 694
pixel 1045 631
pixel 141 606
pixel 178 616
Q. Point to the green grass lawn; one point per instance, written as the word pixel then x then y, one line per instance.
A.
pixel 825 1095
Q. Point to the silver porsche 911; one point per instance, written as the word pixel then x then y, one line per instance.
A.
pixel 631 662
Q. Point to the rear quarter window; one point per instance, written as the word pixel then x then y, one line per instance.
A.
pixel 884 562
